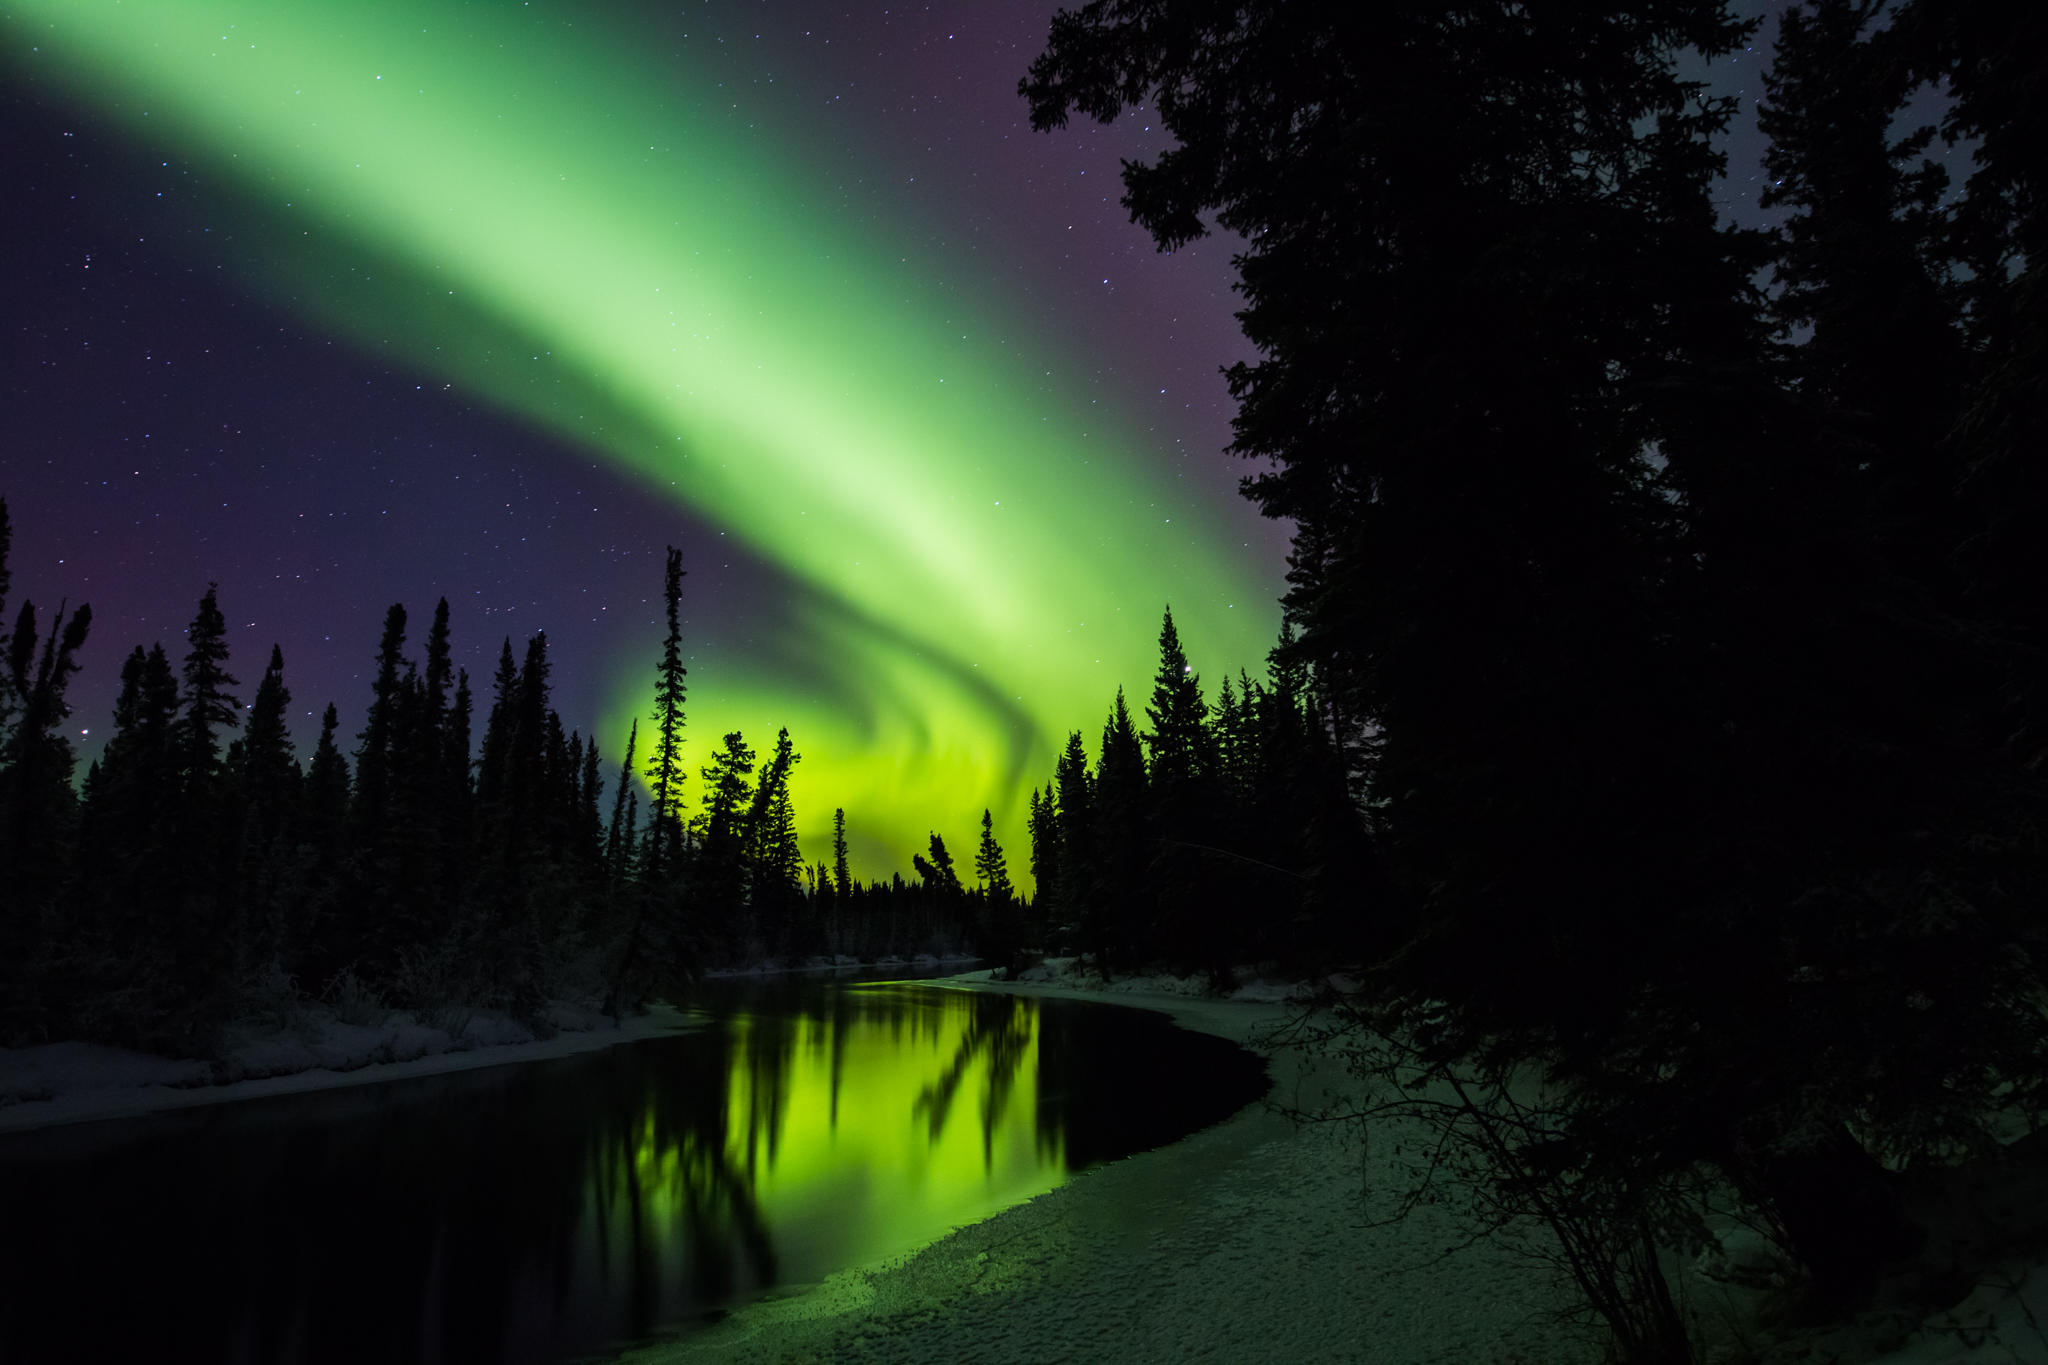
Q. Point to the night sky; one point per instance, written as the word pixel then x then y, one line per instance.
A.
pixel 344 305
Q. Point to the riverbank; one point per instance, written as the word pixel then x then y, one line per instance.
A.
pixel 63 1083
pixel 1254 1240
pixel 1262 1239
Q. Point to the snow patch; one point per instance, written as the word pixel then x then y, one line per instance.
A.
pixel 74 1082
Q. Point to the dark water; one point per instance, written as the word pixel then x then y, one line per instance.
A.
pixel 550 1210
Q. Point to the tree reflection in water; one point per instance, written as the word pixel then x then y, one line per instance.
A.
pixel 836 1125
pixel 526 1213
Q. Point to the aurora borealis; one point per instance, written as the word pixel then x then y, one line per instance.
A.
pixel 955 539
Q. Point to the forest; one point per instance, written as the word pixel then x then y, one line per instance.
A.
pixel 1676 590
pixel 202 868
pixel 1657 728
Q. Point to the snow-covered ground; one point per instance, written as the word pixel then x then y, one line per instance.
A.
pixel 78 1082
pixel 918 962
pixel 1264 1240
pixel 1250 1241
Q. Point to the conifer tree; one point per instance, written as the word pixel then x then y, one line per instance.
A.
pixel 991 869
pixel 1045 858
pixel 494 763
pixel 37 811
pixel 719 887
pixel 209 708
pixel 1192 915
pixel 840 877
pixel 1183 749
pixel 198 946
pixel 1002 926
pixel 773 860
pixel 10 699
pixel 265 778
pixel 938 873
pixel 618 844
pixel 325 822
pixel 1074 819
pixel 126 838
pixel 268 762
pixel 665 764
pixel 456 793
pixel 374 752
pixel 1116 922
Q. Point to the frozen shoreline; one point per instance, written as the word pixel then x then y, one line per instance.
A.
pixel 1248 1241
pixel 1260 1239
pixel 65 1083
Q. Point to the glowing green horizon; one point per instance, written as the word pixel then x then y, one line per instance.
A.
pixel 977 558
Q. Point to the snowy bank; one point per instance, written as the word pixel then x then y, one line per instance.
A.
pixel 1261 1239
pixel 1249 1241
pixel 61 1083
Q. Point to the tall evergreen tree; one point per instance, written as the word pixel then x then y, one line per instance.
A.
pixel 374 752
pixel 1074 819
pixel 774 863
pixel 1193 917
pixel 840 877
pixel 665 763
pixel 325 819
pixel 719 886
pixel 265 780
pixel 38 812
pixel 1045 858
pixel 1117 922
pixel 10 700
pixel 939 875
pixel 209 707
pixel 619 844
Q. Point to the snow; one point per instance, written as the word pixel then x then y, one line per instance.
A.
pixel 73 1082
pixel 1252 988
pixel 2004 1321
pixel 1251 1241
pixel 1265 1240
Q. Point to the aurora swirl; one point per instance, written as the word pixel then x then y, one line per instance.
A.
pixel 975 557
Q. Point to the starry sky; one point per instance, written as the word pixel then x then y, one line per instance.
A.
pixel 342 305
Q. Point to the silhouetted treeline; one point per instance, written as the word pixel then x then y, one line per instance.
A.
pixel 1676 592
pixel 205 872
pixel 1210 838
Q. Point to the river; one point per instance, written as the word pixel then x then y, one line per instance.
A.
pixel 565 1209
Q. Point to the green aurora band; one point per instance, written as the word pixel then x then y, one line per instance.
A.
pixel 541 215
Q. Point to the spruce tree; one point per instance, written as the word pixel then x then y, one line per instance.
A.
pixel 265 778
pixel 209 708
pixel 938 874
pixel 325 821
pixel 991 869
pixel 10 698
pixel 773 860
pixel 1074 819
pixel 126 843
pixel 374 751
pixel 840 877
pixel 1118 923
pixel 1045 859
pixel 1193 919
pixel 618 844
pixel 1001 927
pixel 38 813
pixel 719 886
pixel 665 764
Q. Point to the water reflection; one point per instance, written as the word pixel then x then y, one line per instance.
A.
pixel 527 1213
